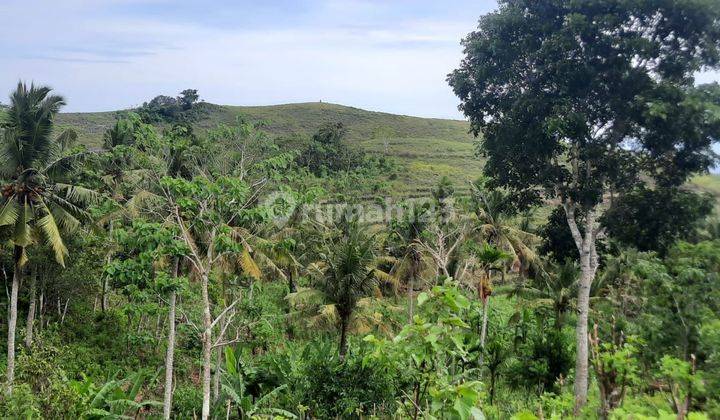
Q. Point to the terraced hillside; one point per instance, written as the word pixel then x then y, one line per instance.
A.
pixel 426 148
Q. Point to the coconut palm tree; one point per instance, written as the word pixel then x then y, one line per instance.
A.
pixel 37 201
pixel 346 277
pixel 490 258
pixel 495 224
pixel 405 248
pixel 555 288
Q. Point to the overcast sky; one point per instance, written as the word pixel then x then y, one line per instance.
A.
pixel 384 55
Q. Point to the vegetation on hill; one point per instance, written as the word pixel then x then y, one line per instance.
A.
pixel 186 260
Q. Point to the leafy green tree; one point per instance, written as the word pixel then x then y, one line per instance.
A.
pixel 327 152
pixel 494 214
pixel 151 258
pixel 554 288
pixel 188 98
pixel 683 382
pixel 205 211
pixel 616 368
pixel 653 220
pixel 678 296
pixel 434 351
pixel 576 99
pixel 38 199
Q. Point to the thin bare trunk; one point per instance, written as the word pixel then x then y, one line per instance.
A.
pixel 31 308
pixel 104 286
pixel 12 321
pixel 207 347
pixel 64 312
pixel 170 352
pixel 218 360
pixel 169 358
pixel 42 307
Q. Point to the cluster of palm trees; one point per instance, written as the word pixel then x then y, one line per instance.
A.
pixel 39 203
pixel 345 268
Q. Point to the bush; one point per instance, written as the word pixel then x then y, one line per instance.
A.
pixel 187 401
pixel 346 389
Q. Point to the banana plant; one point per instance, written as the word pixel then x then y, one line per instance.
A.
pixel 235 388
pixel 116 398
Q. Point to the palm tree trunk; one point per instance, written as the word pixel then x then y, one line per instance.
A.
pixel 170 352
pixel 31 308
pixel 411 301
pixel 343 337
pixel 291 282
pixel 12 321
pixel 207 347
pixel 483 329
pixel 104 286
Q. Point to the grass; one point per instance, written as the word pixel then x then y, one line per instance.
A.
pixel 425 148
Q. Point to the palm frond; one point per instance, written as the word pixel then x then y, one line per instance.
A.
pixel 52 234
pixel 248 264
pixel 9 212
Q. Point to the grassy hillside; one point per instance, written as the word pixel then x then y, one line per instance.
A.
pixel 426 148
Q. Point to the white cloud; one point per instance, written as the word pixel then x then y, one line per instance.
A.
pixel 106 62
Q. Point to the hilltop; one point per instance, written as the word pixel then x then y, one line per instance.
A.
pixel 426 148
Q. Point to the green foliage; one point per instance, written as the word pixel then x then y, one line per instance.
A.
pixel 580 100
pixel 653 220
pixel 167 109
pixel 349 388
pixel 542 359
pixel 327 153
pixel 435 351
pixel 115 399
pixel 681 294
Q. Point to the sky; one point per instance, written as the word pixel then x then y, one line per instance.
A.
pixel 102 55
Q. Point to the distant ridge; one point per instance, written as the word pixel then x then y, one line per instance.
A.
pixel 427 148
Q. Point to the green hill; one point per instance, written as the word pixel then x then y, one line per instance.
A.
pixel 426 148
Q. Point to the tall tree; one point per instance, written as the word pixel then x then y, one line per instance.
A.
pixel 576 99
pixel 204 210
pixel 490 258
pixel 37 202
pixel 348 275
pixel 404 247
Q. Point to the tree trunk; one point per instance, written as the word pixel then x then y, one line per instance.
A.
pixel 411 300
pixel 104 285
pixel 483 330
pixel 31 308
pixel 12 321
pixel 588 266
pixel 207 348
pixel 581 333
pixel 169 357
pixel 343 337
pixel 218 361
pixel 170 352
pixel 291 282
pixel 103 299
